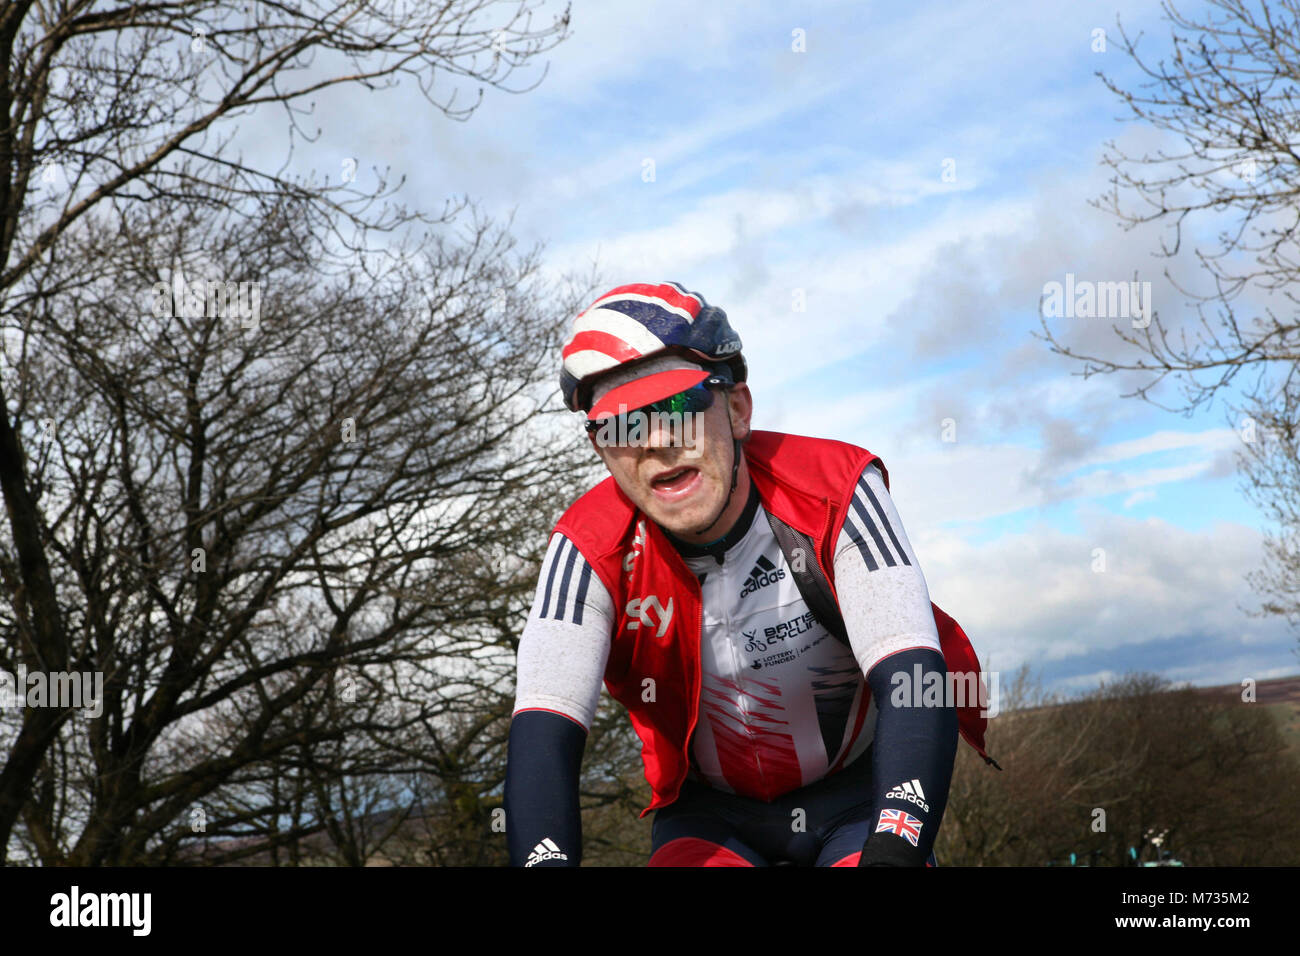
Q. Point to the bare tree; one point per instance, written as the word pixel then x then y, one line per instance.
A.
pixel 245 526
pixel 111 111
pixel 133 104
pixel 1225 102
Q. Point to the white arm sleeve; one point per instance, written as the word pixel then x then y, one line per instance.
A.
pixel 882 593
pixel 565 644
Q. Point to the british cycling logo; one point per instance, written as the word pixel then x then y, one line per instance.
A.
pixel 780 632
pixel 546 850
pixel 791 628
pixel 763 574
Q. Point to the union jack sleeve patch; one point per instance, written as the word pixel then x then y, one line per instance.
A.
pixel 900 823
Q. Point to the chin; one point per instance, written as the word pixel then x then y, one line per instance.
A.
pixel 681 523
pixel 676 524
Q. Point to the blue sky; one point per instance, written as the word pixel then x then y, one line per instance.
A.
pixel 819 173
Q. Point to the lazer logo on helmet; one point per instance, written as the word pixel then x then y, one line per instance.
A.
pixel 647 611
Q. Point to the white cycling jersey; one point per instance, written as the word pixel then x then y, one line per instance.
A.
pixel 782 702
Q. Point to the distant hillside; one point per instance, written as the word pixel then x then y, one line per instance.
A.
pixel 1280 696
pixel 1280 690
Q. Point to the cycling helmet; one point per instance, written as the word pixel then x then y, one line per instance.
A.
pixel 642 333
pixel 632 323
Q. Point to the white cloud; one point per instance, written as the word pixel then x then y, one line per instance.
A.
pixel 1034 597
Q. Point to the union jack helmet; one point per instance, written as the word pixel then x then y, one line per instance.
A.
pixel 632 323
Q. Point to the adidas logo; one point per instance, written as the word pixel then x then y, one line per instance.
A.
pixel 546 850
pixel 764 573
pixel 910 790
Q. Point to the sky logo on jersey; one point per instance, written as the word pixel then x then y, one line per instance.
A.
pixel 900 823
pixel 909 790
pixel 647 611
pixel 763 574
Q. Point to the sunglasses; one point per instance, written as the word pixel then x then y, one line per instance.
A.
pixel 697 398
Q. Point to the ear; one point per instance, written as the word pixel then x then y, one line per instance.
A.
pixel 742 409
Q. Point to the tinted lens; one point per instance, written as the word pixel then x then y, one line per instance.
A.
pixel 691 401
pixel 695 399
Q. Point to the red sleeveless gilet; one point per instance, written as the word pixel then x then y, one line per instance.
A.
pixel 654 660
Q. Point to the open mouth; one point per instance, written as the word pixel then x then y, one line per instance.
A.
pixel 676 482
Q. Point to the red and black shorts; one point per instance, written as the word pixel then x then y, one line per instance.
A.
pixel 822 824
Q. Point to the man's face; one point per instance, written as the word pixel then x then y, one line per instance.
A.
pixel 682 488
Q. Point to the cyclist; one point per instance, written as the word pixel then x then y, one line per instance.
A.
pixel 752 600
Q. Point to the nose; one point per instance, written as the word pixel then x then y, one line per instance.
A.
pixel 661 431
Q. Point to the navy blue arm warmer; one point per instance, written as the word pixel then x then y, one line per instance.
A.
pixel 912 756
pixel 543 823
